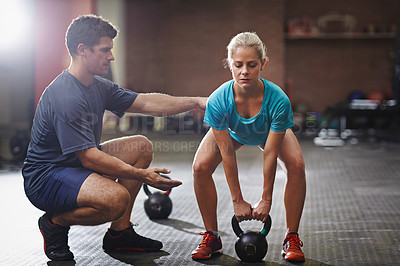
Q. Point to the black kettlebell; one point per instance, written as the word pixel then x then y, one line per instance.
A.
pixel 158 205
pixel 251 246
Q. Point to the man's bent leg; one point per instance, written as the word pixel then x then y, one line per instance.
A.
pixel 138 152
pixel 99 200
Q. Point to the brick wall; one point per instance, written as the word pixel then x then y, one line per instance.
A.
pixel 177 47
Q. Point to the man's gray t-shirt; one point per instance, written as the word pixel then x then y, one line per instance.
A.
pixel 69 118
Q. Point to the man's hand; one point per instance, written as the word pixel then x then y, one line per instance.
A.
pixel 156 180
pixel 242 210
pixel 261 210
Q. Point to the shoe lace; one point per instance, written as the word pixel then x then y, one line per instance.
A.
pixel 206 239
pixel 294 242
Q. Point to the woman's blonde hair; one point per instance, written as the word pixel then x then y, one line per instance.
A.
pixel 246 39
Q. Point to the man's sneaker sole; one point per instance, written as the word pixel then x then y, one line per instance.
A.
pixel 132 249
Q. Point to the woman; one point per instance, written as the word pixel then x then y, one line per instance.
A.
pixel 249 110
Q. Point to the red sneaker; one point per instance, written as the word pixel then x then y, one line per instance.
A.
pixel 209 245
pixel 292 248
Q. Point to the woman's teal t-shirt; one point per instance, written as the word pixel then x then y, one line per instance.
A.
pixel 276 114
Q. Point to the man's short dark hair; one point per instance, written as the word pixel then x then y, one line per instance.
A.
pixel 88 29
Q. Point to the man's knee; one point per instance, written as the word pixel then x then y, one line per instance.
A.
pixel 137 150
pixel 145 147
pixel 117 203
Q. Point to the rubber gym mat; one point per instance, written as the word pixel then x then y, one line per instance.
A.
pixel 351 215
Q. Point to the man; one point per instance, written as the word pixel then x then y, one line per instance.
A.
pixel 67 172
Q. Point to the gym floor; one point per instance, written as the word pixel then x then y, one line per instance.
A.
pixel 351 215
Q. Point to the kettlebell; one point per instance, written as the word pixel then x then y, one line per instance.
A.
pixel 251 246
pixel 158 205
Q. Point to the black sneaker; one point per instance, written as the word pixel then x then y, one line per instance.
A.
pixel 55 240
pixel 129 240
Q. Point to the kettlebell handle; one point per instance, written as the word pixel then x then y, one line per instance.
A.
pixel 148 192
pixel 238 231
